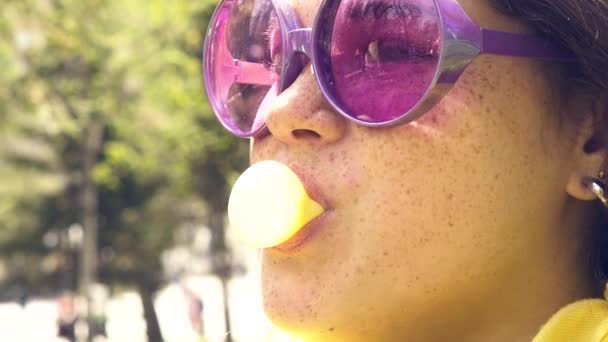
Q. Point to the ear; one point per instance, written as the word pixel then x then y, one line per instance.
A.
pixel 591 149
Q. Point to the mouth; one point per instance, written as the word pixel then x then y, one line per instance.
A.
pixel 304 235
pixel 312 228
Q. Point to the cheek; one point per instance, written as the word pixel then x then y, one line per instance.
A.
pixel 454 189
pixel 500 95
pixel 424 222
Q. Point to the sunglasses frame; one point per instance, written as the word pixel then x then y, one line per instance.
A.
pixel 462 40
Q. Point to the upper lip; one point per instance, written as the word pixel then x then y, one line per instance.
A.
pixel 312 188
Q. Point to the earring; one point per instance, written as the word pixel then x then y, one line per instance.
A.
pixel 598 187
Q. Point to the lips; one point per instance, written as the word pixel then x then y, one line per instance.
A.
pixel 311 186
pixel 308 231
pixel 305 234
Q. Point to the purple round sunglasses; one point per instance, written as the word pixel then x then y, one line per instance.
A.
pixel 379 63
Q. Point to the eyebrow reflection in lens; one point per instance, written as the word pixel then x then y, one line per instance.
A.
pixel 247 27
pixel 384 10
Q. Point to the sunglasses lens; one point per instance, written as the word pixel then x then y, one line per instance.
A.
pixel 241 64
pixel 378 58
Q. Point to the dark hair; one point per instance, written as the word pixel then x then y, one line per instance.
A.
pixel 579 25
pixel 582 27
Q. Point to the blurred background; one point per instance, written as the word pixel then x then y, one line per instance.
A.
pixel 114 178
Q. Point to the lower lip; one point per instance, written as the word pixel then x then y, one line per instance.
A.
pixel 304 235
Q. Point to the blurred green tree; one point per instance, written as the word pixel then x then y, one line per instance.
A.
pixel 104 122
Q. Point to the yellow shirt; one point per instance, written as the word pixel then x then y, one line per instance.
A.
pixel 582 321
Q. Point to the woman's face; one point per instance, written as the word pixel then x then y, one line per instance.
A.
pixel 430 220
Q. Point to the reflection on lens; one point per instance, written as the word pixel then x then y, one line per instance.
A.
pixel 244 52
pixel 243 103
pixel 382 57
pixel 248 27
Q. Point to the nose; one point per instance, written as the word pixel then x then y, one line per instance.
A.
pixel 300 114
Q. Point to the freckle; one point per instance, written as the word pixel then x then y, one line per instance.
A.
pixel 331 329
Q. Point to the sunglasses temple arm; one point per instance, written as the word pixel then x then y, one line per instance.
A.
pixel 522 45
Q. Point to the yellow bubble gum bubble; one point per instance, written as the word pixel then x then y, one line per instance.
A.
pixel 269 204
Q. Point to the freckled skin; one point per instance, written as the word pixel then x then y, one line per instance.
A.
pixel 444 228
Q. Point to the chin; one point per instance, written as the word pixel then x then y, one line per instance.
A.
pixel 311 311
pixel 291 321
pixel 288 307
pixel 297 310
pixel 312 325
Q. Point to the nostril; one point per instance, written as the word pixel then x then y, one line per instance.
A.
pixel 305 134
